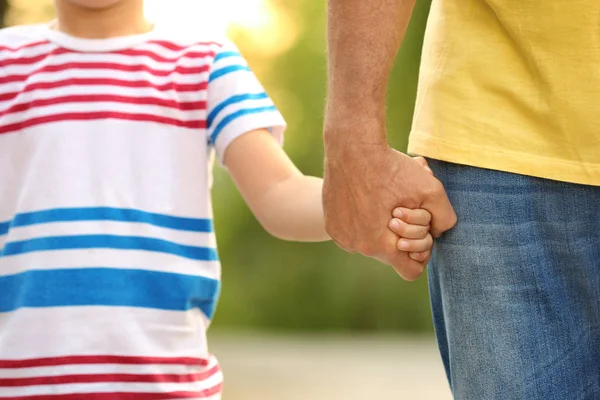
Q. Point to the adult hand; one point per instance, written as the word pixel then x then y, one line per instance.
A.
pixel 363 183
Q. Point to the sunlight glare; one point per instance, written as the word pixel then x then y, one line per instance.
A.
pixel 200 15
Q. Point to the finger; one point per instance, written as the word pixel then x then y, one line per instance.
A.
pixel 443 216
pixel 422 256
pixel 417 216
pixel 408 231
pixel 415 245
pixel 423 163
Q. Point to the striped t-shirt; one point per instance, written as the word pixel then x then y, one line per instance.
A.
pixel 109 271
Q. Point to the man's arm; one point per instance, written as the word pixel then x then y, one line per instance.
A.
pixel 364 178
pixel 363 39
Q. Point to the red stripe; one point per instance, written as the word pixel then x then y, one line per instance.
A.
pixel 94 98
pixel 110 66
pixel 167 45
pixel 127 52
pixel 109 378
pixel 149 53
pixel 202 394
pixel 176 47
pixel 89 116
pixel 25 46
pixel 86 360
pixel 159 58
pixel 23 61
pixel 178 87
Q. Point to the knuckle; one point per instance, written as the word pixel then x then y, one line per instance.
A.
pixel 417 256
pixel 429 241
pixel 423 231
pixel 427 216
pixel 438 188
pixel 402 228
pixel 434 190
pixel 453 220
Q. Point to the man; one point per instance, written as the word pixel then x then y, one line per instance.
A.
pixel 507 113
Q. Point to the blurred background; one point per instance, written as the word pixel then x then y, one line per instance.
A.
pixel 303 321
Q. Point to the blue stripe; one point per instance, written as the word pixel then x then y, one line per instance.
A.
pixel 108 287
pixel 4 227
pixel 233 100
pixel 108 242
pixel 227 70
pixel 107 214
pixel 226 54
pixel 231 117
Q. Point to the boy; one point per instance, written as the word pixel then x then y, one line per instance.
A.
pixel 108 265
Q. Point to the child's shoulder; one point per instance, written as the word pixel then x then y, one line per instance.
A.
pixel 19 36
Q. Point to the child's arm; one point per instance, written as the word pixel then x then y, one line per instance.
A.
pixel 286 202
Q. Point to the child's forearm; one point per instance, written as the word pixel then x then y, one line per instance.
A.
pixel 292 210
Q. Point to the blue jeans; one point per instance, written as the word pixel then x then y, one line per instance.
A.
pixel 515 287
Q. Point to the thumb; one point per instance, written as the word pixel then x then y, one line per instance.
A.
pixel 442 213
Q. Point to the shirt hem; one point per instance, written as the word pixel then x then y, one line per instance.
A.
pixel 502 160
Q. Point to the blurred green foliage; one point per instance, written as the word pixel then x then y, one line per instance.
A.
pixel 271 284
pixel 276 285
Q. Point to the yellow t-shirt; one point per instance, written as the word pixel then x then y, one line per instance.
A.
pixel 512 86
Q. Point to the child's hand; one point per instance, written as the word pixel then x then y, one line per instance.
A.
pixel 413 228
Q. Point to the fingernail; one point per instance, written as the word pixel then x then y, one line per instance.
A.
pixel 395 224
pixel 403 244
pixel 398 213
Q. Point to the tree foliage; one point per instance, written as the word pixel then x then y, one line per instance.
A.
pixel 3 12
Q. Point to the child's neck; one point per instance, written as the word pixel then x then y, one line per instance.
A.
pixel 122 19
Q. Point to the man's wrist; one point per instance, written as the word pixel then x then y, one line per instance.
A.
pixel 352 134
pixel 346 150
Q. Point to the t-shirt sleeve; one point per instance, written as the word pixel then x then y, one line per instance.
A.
pixel 237 103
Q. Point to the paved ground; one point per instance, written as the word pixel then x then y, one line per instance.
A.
pixel 259 367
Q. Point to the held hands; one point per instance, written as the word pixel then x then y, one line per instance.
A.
pixel 363 183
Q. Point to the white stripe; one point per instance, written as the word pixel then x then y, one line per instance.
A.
pixel 27 52
pixel 232 108
pixel 229 61
pixel 125 331
pixel 84 369
pixel 187 45
pixel 200 239
pixel 247 123
pixel 110 387
pixel 110 258
pixel 88 107
pixel 124 164
pixel 237 82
